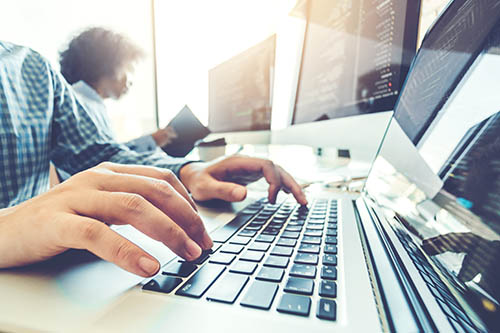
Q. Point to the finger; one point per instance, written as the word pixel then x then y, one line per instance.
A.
pixel 273 178
pixel 215 189
pixel 85 233
pixel 291 185
pixel 133 209
pixel 162 195
pixel 152 172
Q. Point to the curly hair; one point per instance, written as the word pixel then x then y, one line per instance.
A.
pixel 96 53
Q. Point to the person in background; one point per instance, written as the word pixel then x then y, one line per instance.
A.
pixel 98 63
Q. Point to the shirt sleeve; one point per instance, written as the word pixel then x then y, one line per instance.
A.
pixel 78 143
pixel 142 144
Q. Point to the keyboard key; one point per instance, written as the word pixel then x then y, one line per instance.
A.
pixel 287 242
pixel 311 240
pixel 299 286
pixel 296 223
pixel 315 227
pixel 327 309
pixel 331 232
pixel 300 270
pixel 332 225
pixel 252 256
pixel 329 273
pixel 222 258
pixel 270 274
pixel 201 281
pixel 331 240
pixel 243 267
pixel 240 240
pixel 247 233
pixel 275 225
pixel 330 260
pixel 271 231
pixel 313 233
pixel 260 295
pixel 294 228
pixel 259 246
pixel 282 251
pixel 232 248
pixel 276 261
pixel 290 234
pixel 330 249
pixel 306 258
pixel 265 238
pixel 223 234
pixel 201 259
pixel 309 248
pixel 182 269
pixel 162 284
pixel 253 228
pixel 295 304
pixel 316 221
pixel 328 289
pixel 216 247
pixel 227 288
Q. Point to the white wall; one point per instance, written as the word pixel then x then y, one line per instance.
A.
pixel 46 25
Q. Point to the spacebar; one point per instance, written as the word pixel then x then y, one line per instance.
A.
pixel 224 233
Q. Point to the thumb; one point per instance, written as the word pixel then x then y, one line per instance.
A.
pixel 227 191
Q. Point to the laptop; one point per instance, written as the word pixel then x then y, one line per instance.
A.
pixel 416 251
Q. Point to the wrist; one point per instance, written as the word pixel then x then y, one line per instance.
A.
pixel 187 172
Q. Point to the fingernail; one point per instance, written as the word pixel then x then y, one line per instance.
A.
pixel 193 250
pixel 148 265
pixel 238 193
pixel 207 242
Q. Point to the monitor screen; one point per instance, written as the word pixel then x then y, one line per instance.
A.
pixel 240 90
pixel 355 58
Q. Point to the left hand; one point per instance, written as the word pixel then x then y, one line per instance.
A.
pixel 225 179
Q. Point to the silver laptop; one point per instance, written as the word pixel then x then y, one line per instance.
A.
pixel 417 251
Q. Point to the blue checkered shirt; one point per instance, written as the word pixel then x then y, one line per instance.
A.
pixel 42 120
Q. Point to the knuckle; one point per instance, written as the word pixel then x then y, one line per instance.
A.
pixel 89 231
pixel 269 164
pixel 133 203
pixel 105 165
pixel 169 176
pixel 122 251
pixel 163 187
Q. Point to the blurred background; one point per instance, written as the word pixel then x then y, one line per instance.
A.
pixel 190 37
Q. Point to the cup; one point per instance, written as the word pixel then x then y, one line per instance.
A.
pixel 210 150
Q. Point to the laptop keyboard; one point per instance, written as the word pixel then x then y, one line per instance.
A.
pixel 266 250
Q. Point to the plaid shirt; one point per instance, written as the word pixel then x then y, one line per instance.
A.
pixel 41 121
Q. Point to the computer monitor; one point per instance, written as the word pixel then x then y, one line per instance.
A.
pixel 355 58
pixel 240 90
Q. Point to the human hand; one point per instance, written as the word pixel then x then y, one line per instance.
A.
pixel 224 179
pixel 164 136
pixel 71 215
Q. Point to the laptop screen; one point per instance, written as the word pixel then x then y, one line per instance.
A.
pixel 443 195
